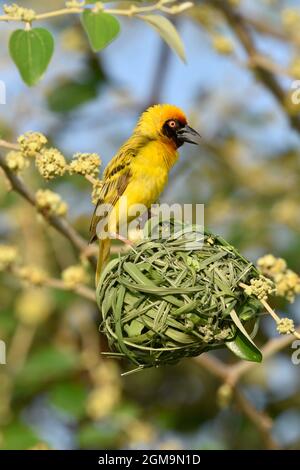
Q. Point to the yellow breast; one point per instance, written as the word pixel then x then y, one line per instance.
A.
pixel 150 170
pixel 149 175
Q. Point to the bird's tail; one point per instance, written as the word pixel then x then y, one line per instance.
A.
pixel 103 257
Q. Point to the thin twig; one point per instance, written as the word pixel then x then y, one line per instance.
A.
pixel 132 10
pixel 273 346
pixel 8 145
pixel 277 319
pixel 268 64
pixel 214 365
pixel 273 314
pixel 91 179
pixel 232 374
pixel 265 28
pixel 82 290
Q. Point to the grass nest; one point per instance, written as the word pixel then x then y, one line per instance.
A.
pixel 167 299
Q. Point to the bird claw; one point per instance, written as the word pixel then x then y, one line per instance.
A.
pixel 117 236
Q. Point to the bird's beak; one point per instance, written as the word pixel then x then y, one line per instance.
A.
pixel 188 134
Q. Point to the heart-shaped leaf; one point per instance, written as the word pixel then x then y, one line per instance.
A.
pixel 167 31
pixel 31 51
pixel 101 28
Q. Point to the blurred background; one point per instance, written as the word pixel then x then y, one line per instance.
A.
pixel 56 390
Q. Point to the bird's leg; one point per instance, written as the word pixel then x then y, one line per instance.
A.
pixel 117 236
pixel 145 217
pixel 149 213
pixel 152 211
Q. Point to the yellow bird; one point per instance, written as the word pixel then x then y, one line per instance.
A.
pixel 139 171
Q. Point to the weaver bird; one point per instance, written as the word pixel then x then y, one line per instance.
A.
pixel 139 171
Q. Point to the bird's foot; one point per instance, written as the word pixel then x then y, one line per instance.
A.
pixel 117 236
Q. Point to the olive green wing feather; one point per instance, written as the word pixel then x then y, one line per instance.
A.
pixel 115 180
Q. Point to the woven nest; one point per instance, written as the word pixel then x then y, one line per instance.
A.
pixel 172 298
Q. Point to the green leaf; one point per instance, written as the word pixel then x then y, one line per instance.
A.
pixel 7 323
pixel 31 51
pixel 243 346
pixel 240 326
pixel 69 95
pixel 44 365
pixel 17 436
pixel 167 31
pixel 101 28
pixel 243 349
pixel 70 398
pixel 91 436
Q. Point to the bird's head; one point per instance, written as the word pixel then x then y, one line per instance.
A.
pixel 167 123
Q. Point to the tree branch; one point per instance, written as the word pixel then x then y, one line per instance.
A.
pixel 132 10
pixel 60 224
pixel 232 374
pixel 265 28
pixel 213 365
pixel 160 73
pixel 259 419
pixel 82 290
pixel 266 77
pixel 271 347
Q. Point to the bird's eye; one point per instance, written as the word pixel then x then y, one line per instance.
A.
pixel 172 124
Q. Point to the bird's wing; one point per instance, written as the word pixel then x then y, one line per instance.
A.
pixel 115 180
